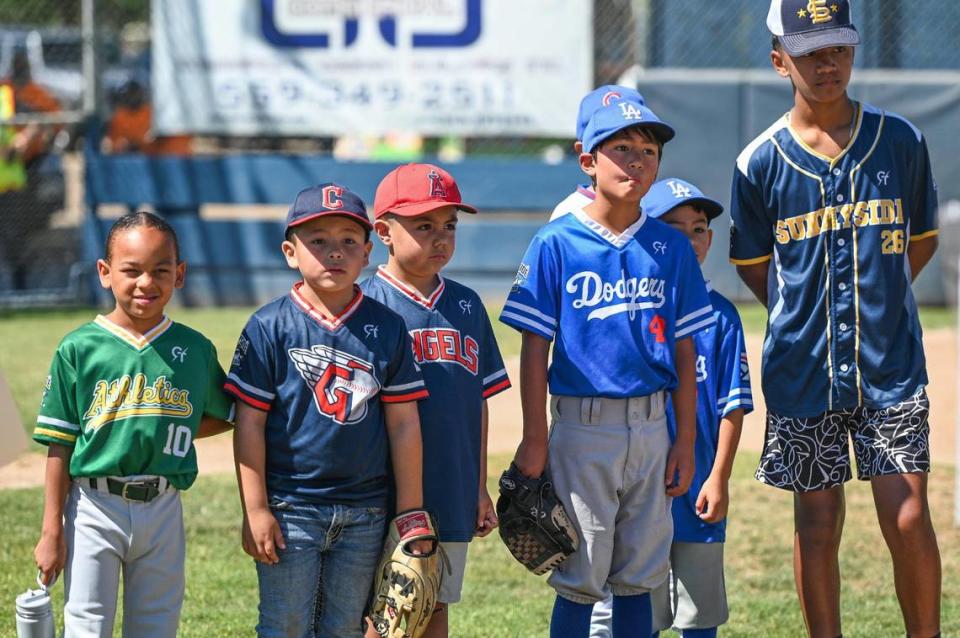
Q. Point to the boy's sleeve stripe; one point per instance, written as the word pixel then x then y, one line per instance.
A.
pixel 496 375
pixel 693 315
pixel 263 394
pixel 522 323
pixel 403 398
pixel 752 261
pixel 496 388
pixel 57 422
pixel 54 434
pixel 735 393
pixel 688 330
pixel 530 310
pixel 403 386
pixel 745 404
pixel 929 233
pixel 249 400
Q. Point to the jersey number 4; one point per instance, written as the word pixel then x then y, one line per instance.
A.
pixel 657 326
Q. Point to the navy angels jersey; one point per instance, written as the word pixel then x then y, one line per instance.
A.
pixel 843 329
pixel 454 345
pixel 614 305
pixel 723 385
pixel 322 383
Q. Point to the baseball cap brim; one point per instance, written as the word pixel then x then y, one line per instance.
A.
pixel 351 216
pixel 797 44
pixel 419 208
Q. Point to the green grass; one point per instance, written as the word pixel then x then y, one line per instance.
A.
pixel 501 599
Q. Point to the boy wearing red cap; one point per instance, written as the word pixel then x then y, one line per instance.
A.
pixel 416 210
pixel 326 390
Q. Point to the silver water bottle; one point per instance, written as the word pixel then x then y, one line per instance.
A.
pixel 35 613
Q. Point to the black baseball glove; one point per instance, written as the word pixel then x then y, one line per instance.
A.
pixel 533 524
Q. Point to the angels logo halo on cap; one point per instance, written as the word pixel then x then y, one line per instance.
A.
pixel 802 26
pixel 600 97
pixel 327 199
pixel 415 189
pixel 669 193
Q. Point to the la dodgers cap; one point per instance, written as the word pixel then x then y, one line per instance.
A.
pixel 603 96
pixel 327 199
pixel 803 26
pixel 619 115
pixel 415 189
pixel 667 194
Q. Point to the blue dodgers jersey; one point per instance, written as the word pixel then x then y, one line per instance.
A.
pixel 843 329
pixel 454 345
pixel 322 383
pixel 723 385
pixel 614 305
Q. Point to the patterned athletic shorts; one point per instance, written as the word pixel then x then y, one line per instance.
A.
pixel 804 454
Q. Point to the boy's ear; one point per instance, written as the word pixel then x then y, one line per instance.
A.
pixel 103 272
pixel 382 228
pixel 289 254
pixel 181 275
pixel 366 253
pixel 778 62
pixel 588 164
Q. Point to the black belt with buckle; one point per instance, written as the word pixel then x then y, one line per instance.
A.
pixel 142 491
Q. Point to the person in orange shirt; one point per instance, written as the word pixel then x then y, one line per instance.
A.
pixel 31 141
pixel 129 129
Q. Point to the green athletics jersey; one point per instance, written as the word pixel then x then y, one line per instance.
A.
pixel 131 405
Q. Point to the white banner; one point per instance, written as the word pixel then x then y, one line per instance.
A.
pixel 348 67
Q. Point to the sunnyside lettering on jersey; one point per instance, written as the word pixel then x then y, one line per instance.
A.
pixel 124 398
pixel 635 293
pixel 446 344
pixel 874 212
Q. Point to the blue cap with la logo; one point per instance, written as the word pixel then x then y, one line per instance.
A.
pixel 619 115
pixel 803 26
pixel 667 194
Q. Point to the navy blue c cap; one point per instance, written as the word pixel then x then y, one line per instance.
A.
pixel 621 114
pixel 667 194
pixel 803 26
pixel 327 199
pixel 600 97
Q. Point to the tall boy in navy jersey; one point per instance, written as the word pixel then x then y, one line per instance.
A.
pixel 620 295
pixel 693 601
pixel 416 210
pixel 327 389
pixel 835 212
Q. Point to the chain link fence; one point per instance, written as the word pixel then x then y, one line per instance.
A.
pixel 64 60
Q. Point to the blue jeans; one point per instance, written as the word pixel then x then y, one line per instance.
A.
pixel 321 584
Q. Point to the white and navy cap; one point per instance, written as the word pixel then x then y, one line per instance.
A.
pixel 803 26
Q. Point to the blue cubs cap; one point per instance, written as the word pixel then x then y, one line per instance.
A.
pixel 327 199
pixel 803 26
pixel 621 114
pixel 667 194
pixel 600 97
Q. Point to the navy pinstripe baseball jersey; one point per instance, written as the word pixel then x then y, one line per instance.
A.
pixel 614 305
pixel 322 383
pixel 843 329
pixel 723 385
pixel 454 345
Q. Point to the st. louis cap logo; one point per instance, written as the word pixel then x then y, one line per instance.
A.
pixel 818 11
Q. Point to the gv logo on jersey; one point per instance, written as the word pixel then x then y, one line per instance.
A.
pixel 446 345
pixel 128 397
pixel 275 12
pixel 341 383
pixel 633 294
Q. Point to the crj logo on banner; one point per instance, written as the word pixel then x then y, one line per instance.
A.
pixel 387 24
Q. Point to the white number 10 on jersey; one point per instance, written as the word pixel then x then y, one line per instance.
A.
pixel 178 440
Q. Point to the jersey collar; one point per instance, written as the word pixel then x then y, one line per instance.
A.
pixel 619 241
pixel 137 341
pixel 831 161
pixel 329 323
pixel 429 302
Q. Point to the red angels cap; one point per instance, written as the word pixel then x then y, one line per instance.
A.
pixel 414 189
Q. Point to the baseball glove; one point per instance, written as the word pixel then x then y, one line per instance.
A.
pixel 406 585
pixel 533 524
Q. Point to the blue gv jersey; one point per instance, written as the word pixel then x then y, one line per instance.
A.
pixel 322 383
pixel 614 305
pixel 723 385
pixel 454 345
pixel 843 329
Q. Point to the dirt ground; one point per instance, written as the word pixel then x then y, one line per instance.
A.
pixel 216 455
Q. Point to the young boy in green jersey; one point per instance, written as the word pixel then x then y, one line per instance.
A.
pixel 126 395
